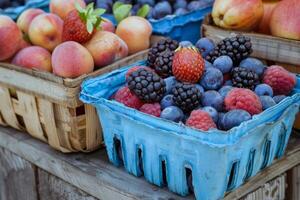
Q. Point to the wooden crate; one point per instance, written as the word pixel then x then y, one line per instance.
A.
pixel 48 107
pixel 281 51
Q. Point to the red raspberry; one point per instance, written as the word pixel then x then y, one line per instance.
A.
pixel 135 68
pixel 245 99
pixel 281 80
pixel 201 120
pixel 125 96
pixel 151 109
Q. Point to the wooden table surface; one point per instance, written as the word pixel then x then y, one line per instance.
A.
pixel 93 174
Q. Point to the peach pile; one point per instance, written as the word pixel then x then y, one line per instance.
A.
pixel 37 40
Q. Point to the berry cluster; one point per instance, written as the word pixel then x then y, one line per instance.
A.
pixel 204 95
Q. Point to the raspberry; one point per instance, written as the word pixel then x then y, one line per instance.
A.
pixel 125 96
pixel 135 68
pixel 201 120
pixel 281 81
pixel 245 99
pixel 151 109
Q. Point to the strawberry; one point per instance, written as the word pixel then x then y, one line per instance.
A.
pixel 188 64
pixel 80 23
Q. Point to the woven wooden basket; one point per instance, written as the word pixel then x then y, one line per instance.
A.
pixel 48 106
pixel 282 51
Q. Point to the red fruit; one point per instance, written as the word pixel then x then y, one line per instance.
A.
pixel 201 120
pixel 135 68
pixel 125 96
pixel 245 99
pixel 281 80
pixel 188 65
pixel 151 109
pixel 80 24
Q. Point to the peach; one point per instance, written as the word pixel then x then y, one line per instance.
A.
pixel 63 7
pixel 26 18
pixel 23 44
pixel 45 30
pixel 243 15
pixel 106 47
pixel 107 25
pixel 10 37
pixel 136 32
pixel 285 20
pixel 70 59
pixel 264 26
pixel 33 57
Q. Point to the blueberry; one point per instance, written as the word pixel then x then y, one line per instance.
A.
pixel 180 4
pixel 253 64
pixel 200 88
pixel 212 98
pixel 228 83
pixel 234 118
pixel 149 2
pixel 167 101
pixel 196 5
pixel 205 45
pixel 170 84
pixel 208 64
pixel 220 120
pixel 278 98
pixel 263 89
pixel 225 90
pixel 224 64
pixel 172 113
pixel 212 112
pixel 105 4
pixel 161 10
pixel 266 102
pixel 212 79
pixel 180 11
pixel 185 44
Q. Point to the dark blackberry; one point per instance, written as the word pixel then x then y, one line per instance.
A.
pixel 244 78
pixel 147 85
pixel 237 48
pixel 163 64
pixel 186 96
pixel 161 46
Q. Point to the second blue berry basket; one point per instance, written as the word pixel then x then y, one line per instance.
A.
pixel 166 153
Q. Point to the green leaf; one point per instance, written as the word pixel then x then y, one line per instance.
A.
pixel 79 8
pixel 144 11
pixel 90 6
pixel 90 27
pixel 122 12
pixel 97 24
pixel 117 5
pixel 99 11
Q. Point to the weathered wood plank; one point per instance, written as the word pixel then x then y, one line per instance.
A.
pixel 17 178
pixel 53 188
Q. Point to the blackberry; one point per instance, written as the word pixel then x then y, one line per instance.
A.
pixel 186 96
pixel 161 46
pixel 244 78
pixel 147 85
pixel 163 64
pixel 237 48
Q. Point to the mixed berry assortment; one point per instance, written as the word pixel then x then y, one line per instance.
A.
pixel 158 8
pixel 221 91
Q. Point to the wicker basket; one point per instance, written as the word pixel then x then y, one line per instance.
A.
pixel 48 107
pixel 283 52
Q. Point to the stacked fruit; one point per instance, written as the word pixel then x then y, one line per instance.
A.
pixel 159 8
pixel 221 91
pixel 71 40
pixel 277 17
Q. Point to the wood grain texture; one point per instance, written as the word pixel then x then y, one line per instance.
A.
pixel 17 177
pixel 53 188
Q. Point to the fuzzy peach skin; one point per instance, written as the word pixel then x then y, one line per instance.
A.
pixel 243 15
pixel 285 20
pixel 106 47
pixel 26 18
pixel 33 57
pixel 136 32
pixel 23 44
pixel 10 37
pixel 46 31
pixel 63 7
pixel 107 25
pixel 264 25
pixel 70 60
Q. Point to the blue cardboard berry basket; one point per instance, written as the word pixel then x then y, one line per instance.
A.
pixel 14 12
pixel 166 153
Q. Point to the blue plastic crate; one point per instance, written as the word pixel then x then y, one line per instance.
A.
pixel 219 161
pixel 14 12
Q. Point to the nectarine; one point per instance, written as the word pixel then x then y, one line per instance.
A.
pixel 26 18
pixel 264 26
pixel 63 7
